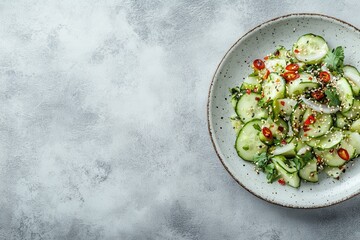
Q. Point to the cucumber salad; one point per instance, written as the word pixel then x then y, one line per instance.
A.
pixel 298 113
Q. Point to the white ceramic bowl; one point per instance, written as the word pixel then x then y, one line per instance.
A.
pixel 231 71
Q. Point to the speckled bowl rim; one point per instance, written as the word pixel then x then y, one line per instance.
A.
pixel 209 110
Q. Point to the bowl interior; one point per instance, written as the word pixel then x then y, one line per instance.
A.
pixel 232 70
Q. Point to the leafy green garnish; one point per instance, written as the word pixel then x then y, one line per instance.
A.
pixel 277 141
pixel 257 127
pixel 335 59
pixel 271 173
pixel 254 74
pixel 264 103
pixel 333 97
pixel 261 160
pixel 262 163
pixel 235 90
pixel 312 67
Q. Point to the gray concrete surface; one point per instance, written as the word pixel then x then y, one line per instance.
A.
pixel 103 131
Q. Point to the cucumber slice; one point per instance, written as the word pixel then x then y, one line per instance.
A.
pixel 291 179
pixel 355 88
pixel 303 83
pixel 287 150
pixel 354 112
pixel 251 82
pixel 283 107
pixel 282 53
pixel 334 172
pixel 309 171
pixel 327 141
pixel 331 157
pixel 282 161
pixel 341 121
pixel 274 87
pixel 248 144
pixel 310 48
pixel 355 126
pixel 345 143
pixel 278 127
pixel 247 108
pixel 354 140
pixel 352 74
pixel 297 116
pixel 301 146
pixel 345 94
pixel 275 64
pixel 319 128
pixel 236 123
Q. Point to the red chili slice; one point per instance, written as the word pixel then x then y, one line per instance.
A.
pixel 318 94
pixel 283 142
pixel 290 76
pixel 310 120
pixel 343 154
pixel 292 67
pixel 281 181
pixel 248 91
pixel 324 76
pixel 282 103
pixel 296 51
pixel 267 132
pixel 259 64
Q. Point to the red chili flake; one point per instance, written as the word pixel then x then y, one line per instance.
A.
pixel 310 120
pixel 331 150
pixel 282 103
pixel 257 99
pixel 248 91
pixel 306 128
pixel 255 89
pixel 281 128
pixel 282 181
pixel 296 51
pixel 305 135
pixel 266 57
pixel 277 53
pixel 318 159
pixel 283 142
pixel 310 78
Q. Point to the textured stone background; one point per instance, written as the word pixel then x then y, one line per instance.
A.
pixel 103 131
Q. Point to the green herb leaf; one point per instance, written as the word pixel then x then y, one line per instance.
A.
pixel 333 97
pixel 335 59
pixel 277 141
pixel 254 74
pixel 235 90
pixel 257 127
pixel 263 103
pixel 271 173
pixel 261 160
